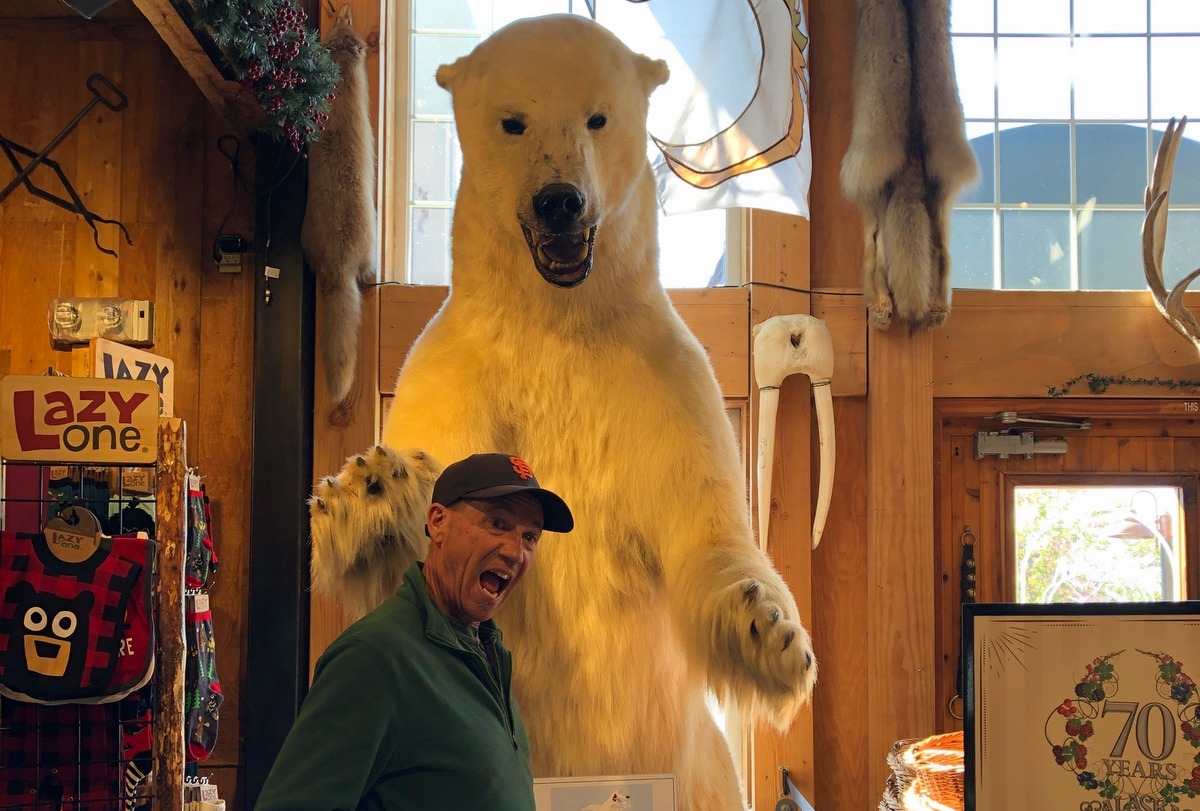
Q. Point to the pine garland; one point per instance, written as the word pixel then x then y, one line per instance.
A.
pixel 267 44
pixel 1098 384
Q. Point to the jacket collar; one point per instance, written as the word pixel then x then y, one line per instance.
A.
pixel 438 626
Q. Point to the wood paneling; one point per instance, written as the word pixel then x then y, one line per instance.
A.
pixel 840 628
pixel 1023 343
pixel 154 167
pixel 847 321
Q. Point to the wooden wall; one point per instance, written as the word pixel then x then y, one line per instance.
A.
pixel 155 167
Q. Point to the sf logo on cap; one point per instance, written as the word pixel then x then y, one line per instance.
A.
pixel 521 467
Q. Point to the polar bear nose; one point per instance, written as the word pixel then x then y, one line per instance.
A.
pixel 558 205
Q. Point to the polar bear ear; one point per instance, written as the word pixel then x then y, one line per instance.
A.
pixel 446 74
pixel 653 72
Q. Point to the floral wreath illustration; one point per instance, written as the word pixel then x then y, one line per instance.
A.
pixel 1101 682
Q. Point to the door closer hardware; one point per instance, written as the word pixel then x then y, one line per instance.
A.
pixel 1013 418
pixel 1004 445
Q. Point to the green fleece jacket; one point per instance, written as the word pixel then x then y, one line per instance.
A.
pixel 403 715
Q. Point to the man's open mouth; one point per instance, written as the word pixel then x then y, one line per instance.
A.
pixel 563 260
pixel 494 582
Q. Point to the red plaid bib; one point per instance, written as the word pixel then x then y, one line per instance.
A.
pixel 61 624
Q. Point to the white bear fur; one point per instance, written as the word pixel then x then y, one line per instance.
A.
pixel 660 592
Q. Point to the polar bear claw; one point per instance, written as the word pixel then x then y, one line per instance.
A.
pixel 367 524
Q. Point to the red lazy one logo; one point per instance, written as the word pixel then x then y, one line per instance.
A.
pixel 78 419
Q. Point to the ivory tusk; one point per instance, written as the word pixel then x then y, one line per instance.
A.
pixel 768 408
pixel 785 345
pixel 824 406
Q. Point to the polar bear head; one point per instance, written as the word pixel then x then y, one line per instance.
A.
pixel 551 117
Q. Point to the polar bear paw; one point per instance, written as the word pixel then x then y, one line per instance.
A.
pixel 769 653
pixel 368 523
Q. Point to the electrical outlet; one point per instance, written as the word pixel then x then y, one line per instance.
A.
pixel 76 320
pixel 229 250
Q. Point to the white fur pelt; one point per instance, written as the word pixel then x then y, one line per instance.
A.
pixel 908 157
pixel 340 233
pixel 661 591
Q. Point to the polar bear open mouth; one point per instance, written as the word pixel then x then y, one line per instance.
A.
pixel 563 260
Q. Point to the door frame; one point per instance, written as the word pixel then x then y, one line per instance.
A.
pixel 970 500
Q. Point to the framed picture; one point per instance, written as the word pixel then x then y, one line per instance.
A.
pixel 1084 706
pixel 643 792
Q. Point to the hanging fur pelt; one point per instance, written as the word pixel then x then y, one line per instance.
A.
pixel 340 233
pixel 908 158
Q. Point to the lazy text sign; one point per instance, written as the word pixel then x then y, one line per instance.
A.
pixel 78 420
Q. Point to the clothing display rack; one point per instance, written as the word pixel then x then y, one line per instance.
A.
pixel 123 497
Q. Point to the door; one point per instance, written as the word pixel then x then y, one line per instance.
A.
pixel 1142 455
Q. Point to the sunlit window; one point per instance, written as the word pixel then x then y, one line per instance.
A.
pixel 1065 104
pixel 1097 544
pixel 422 170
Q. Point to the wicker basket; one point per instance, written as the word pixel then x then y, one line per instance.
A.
pixel 937 762
pixel 900 778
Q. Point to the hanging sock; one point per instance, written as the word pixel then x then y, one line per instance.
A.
pixel 137 746
pixel 200 562
pixel 204 697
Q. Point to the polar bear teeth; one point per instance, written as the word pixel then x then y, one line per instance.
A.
pixel 562 259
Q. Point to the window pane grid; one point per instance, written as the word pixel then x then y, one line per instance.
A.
pixel 1092 122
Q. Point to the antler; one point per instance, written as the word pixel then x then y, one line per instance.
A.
pixel 1154 233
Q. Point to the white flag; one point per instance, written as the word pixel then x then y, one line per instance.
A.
pixel 730 128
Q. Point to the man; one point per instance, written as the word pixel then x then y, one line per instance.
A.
pixel 410 708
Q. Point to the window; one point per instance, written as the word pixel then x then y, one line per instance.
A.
pixel 422 160
pixel 1098 543
pixel 1065 104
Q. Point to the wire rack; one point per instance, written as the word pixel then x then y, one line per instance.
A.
pixel 74 756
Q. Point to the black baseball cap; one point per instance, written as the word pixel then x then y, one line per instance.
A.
pixel 491 475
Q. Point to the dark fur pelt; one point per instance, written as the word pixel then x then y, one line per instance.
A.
pixel 908 158
pixel 340 231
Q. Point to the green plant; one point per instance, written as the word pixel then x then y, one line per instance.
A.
pixel 1098 384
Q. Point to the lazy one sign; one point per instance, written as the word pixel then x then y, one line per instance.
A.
pixel 72 420
pixel 111 359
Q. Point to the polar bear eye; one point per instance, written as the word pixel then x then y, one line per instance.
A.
pixel 35 618
pixel 513 126
pixel 597 121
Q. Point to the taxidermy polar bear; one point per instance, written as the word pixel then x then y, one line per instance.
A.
pixel 558 344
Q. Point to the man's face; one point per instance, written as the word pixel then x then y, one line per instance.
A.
pixel 479 550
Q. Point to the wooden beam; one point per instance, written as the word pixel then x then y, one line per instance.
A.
pixel 238 109
pixel 900 595
pixel 171 511
pixel 780 246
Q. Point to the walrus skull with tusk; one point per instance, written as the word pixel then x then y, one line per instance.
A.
pixel 783 346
